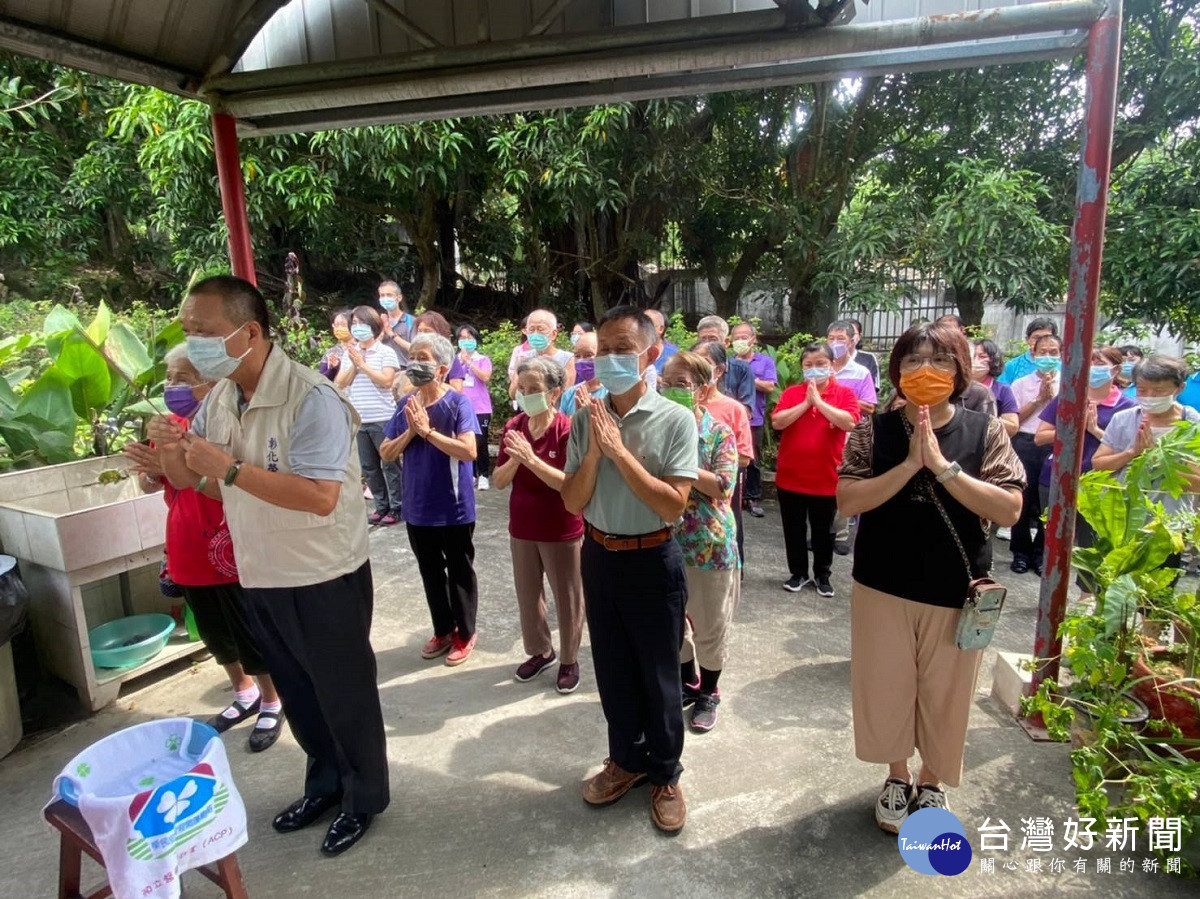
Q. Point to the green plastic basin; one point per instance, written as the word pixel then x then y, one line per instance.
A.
pixel 130 641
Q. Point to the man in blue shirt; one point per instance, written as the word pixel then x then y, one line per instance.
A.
pixel 1022 365
pixel 738 380
pixel 1191 392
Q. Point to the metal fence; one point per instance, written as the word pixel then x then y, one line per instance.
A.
pixel 921 297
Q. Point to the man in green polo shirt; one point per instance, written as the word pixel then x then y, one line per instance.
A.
pixel 631 462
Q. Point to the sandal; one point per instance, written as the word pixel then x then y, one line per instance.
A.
pixel 222 722
pixel 264 737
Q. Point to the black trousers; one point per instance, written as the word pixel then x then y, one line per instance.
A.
pixel 754 473
pixel 1022 545
pixel 220 613
pixel 635 601
pixel 799 512
pixel 483 462
pixel 446 560
pixel 317 644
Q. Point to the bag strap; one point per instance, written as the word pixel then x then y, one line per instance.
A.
pixel 926 482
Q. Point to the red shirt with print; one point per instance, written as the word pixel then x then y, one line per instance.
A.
pixel 535 509
pixel 810 449
pixel 199 548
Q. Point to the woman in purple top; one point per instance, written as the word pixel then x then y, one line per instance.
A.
pixel 1105 399
pixel 434 429
pixel 986 366
pixel 477 371
pixel 331 362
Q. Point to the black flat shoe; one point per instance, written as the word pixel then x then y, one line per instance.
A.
pixel 1019 566
pixel 303 812
pixel 344 832
pixel 221 723
pixel 264 737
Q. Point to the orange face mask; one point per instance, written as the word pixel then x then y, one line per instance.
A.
pixel 927 386
pixel 341 333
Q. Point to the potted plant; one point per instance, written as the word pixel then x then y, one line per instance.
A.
pixel 1143 765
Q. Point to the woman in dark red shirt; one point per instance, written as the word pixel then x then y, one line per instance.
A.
pixel 815 418
pixel 200 560
pixel 545 537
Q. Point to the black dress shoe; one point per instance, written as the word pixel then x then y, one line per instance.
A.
pixel 303 812
pixel 344 832
pixel 264 737
pixel 1019 566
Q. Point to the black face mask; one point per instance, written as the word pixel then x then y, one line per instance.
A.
pixel 420 373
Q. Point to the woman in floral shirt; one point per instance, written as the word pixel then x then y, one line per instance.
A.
pixel 707 533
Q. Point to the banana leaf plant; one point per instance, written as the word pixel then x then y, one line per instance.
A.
pixel 91 379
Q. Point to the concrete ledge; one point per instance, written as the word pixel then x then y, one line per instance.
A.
pixel 1011 680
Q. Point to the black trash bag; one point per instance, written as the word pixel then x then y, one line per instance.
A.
pixel 14 600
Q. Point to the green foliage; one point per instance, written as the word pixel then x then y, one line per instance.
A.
pixel 1155 215
pixel 88 380
pixel 1120 768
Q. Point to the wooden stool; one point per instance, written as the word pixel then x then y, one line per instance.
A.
pixel 76 838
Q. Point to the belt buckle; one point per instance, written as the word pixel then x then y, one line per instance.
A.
pixel 604 542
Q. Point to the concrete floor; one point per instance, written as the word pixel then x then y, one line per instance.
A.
pixel 486 772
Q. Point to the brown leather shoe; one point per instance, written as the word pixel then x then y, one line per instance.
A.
pixel 610 784
pixel 668 810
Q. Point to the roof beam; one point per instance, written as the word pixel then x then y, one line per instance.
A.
pixel 546 19
pixel 53 46
pixel 607 91
pixel 697 56
pixel 247 28
pixel 523 49
pixel 415 31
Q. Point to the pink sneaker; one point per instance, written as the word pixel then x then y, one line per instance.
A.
pixel 460 651
pixel 436 646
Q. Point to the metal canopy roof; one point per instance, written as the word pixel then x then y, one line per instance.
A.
pixel 313 64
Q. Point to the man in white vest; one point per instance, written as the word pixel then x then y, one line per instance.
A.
pixel 273 442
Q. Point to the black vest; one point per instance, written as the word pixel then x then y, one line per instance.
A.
pixel 903 547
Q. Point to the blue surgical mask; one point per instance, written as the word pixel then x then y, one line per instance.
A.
pixel 1127 370
pixel 467 346
pixel 618 372
pixel 1048 363
pixel 389 303
pixel 575 339
pixel 361 333
pixel 816 374
pixel 538 341
pixel 1099 375
pixel 208 356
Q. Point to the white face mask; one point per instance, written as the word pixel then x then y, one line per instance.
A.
pixel 1156 405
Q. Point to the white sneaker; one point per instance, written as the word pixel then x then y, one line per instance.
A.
pixel 929 796
pixel 483 484
pixel 367 494
pixel 891 808
pixel 1003 533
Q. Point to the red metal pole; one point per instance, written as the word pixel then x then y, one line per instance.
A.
pixel 233 195
pixel 1087 247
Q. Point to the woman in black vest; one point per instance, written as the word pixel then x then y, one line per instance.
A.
pixel 911 685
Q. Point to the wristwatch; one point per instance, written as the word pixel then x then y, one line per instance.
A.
pixel 953 471
pixel 232 472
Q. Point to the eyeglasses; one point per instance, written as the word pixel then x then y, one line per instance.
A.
pixel 686 385
pixel 940 361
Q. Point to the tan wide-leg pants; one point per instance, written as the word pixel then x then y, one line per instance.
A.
pixel 559 563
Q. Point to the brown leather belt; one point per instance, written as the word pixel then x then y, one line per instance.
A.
pixel 618 543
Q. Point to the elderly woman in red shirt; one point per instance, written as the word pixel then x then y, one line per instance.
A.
pixel 814 418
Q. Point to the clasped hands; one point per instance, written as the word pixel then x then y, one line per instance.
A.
pixel 923 448
pixel 205 459
pixel 606 436
pixel 418 418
